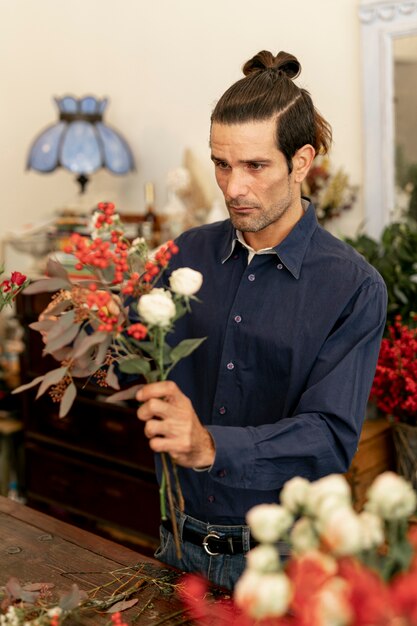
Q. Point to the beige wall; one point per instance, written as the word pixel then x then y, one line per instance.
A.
pixel 163 64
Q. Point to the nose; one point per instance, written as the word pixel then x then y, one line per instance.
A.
pixel 236 184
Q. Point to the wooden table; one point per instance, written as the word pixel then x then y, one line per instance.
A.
pixel 37 548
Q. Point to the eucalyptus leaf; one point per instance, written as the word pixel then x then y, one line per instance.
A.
pixel 102 350
pixel 47 284
pixel 51 378
pixel 88 342
pixel 122 605
pixel 68 398
pixel 42 326
pixel 111 378
pixel 56 269
pixel 64 339
pixel 124 394
pixel 26 386
pixel 61 325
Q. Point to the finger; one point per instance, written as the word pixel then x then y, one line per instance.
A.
pixel 161 389
pixel 154 408
pixel 156 428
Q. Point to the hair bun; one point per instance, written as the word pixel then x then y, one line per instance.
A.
pixel 264 60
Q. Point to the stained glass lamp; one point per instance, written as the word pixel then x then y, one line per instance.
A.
pixel 80 142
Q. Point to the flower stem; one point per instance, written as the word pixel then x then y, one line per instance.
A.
pixel 171 505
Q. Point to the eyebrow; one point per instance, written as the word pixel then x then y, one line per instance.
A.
pixel 254 160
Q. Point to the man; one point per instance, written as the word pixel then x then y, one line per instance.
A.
pixel 293 319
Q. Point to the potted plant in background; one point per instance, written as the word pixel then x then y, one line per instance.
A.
pixel 394 390
pixel 395 258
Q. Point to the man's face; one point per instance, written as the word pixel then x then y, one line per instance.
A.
pixel 253 176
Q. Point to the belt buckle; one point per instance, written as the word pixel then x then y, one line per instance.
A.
pixel 210 535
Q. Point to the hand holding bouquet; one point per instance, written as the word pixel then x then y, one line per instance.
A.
pixel 116 321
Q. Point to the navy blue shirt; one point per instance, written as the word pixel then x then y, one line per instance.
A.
pixel 283 378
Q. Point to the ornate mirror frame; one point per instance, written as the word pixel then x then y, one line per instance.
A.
pixel 381 23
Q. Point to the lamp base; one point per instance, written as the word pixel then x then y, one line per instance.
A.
pixel 82 180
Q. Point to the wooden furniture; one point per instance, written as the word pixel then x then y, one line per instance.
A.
pixel 94 467
pixel 36 548
pixel 375 455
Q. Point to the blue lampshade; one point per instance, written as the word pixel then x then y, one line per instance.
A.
pixel 80 141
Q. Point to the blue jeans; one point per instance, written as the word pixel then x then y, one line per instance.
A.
pixel 223 569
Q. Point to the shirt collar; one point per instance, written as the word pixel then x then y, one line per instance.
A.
pixel 292 250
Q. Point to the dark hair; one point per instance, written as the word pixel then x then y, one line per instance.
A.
pixel 268 90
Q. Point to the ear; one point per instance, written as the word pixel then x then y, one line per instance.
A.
pixel 302 161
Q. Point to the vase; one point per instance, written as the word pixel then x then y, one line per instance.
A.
pixel 405 443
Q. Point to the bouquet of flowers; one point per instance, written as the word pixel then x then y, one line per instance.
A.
pixel 394 388
pixel 10 287
pixel 346 568
pixel 330 193
pixel 115 321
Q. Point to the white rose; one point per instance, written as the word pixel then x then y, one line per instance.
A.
pixel 334 485
pixel 156 309
pixel 185 281
pixel 391 497
pixel 341 531
pixel 263 559
pixel 268 522
pixel 331 606
pixel 263 595
pixel 372 530
pixel 161 292
pixel 294 493
pixel 304 536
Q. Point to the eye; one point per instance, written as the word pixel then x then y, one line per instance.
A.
pixel 256 167
pixel 222 165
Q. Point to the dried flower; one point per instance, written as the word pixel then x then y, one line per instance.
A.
pixel 330 193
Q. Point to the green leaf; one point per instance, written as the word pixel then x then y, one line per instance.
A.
pixel 51 378
pixel 67 400
pixel 185 348
pixel 135 365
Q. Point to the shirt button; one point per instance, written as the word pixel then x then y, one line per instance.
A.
pixel 238 319
pixel 221 473
pixel 235 256
pixel 222 410
pixel 230 366
pixel 279 266
pixel 211 498
pixel 251 277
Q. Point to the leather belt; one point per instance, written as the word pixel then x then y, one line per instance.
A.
pixel 213 543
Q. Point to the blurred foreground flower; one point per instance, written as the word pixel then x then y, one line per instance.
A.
pixel 351 569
